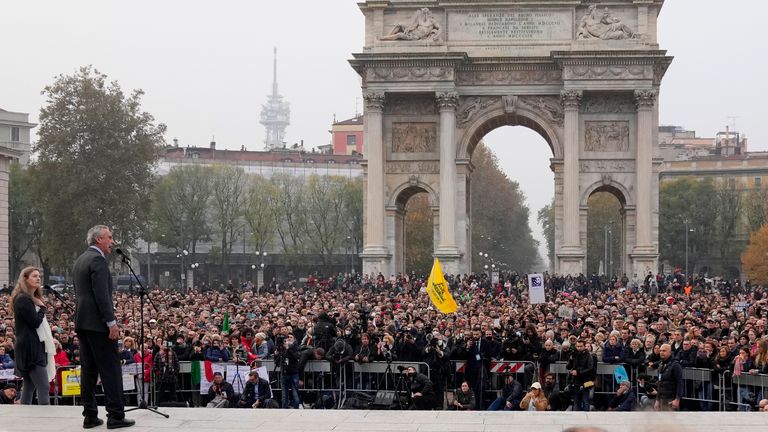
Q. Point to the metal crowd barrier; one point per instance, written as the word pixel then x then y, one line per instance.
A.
pixel 382 376
pixel 703 387
pixel 491 381
pixel 67 384
pixel 744 391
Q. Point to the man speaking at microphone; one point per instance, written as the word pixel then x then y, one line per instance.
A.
pixel 97 329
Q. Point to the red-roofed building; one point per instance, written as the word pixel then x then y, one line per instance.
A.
pixel 347 136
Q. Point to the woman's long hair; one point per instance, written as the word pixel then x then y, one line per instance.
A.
pixel 23 288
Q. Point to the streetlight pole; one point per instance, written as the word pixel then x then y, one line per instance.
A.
pixel 605 250
pixel 609 264
pixel 687 230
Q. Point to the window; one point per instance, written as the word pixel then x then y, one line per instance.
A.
pixel 758 181
pixel 351 140
pixel 732 183
pixel 15 135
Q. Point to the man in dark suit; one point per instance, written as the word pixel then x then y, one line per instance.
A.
pixel 97 329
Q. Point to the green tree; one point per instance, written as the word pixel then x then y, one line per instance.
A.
pixel 500 218
pixel 289 208
pixel 324 201
pixel 419 235
pixel 25 215
pixel 353 205
pixel 685 202
pixel 546 217
pixel 604 213
pixel 228 188
pixel 95 153
pixel 180 203
pixel 258 216
pixel 727 206
pixel 756 207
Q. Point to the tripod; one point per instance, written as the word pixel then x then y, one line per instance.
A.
pixel 142 294
pixel 398 382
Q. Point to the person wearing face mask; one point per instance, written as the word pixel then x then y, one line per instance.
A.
pixel 421 390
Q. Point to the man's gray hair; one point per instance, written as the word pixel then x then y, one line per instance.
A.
pixel 90 238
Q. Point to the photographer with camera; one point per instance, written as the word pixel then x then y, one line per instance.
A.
pixel 421 390
pixel 386 349
pixel 324 331
pixel 581 376
pixel 439 363
pixel 646 391
pixel 287 356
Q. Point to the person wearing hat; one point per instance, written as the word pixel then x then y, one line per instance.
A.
pixel 534 400
pixel 256 393
pixel 8 395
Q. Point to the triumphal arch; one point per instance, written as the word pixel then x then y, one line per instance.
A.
pixel 438 75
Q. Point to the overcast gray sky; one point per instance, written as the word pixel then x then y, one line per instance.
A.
pixel 206 68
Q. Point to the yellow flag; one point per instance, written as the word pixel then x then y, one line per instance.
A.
pixel 438 291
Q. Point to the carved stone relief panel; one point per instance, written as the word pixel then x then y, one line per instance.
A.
pixel 402 104
pixel 606 136
pixel 409 74
pixel 608 103
pixel 421 26
pixel 548 107
pixel 421 167
pixel 602 24
pixel 414 137
pixel 471 107
pixel 587 166
pixel 581 72
pixel 509 77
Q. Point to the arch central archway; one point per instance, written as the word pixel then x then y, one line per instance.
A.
pixel 431 93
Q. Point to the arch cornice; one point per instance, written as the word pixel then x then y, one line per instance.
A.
pixel 499 115
pixel 607 182
pixel 412 183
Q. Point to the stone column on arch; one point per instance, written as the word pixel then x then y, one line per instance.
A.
pixel 375 255
pixel 447 249
pixel 571 254
pixel 645 253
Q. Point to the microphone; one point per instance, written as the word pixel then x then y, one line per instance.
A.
pixel 122 254
pixel 54 292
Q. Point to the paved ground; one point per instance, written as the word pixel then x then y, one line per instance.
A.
pixel 67 419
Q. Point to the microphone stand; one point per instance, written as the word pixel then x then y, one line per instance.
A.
pixel 61 298
pixel 142 293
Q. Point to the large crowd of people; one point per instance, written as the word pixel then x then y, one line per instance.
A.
pixel 654 325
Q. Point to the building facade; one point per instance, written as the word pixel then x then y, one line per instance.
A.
pixel 15 131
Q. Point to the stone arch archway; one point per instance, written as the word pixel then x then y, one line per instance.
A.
pixel 498 116
pixel 447 75
pixel 396 213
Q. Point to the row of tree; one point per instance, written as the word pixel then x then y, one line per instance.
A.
pixel 716 219
pixel 317 215
pixel 93 163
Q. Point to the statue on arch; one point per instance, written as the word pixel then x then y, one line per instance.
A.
pixel 423 26
pixel 603 26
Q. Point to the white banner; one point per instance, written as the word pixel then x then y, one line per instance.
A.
pixel 237 375
pixel 536 288
pixel 7 374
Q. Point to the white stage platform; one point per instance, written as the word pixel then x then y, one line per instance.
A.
pixel 68 419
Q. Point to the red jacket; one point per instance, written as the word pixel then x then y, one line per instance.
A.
pixel 147 364
pixel 61 358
